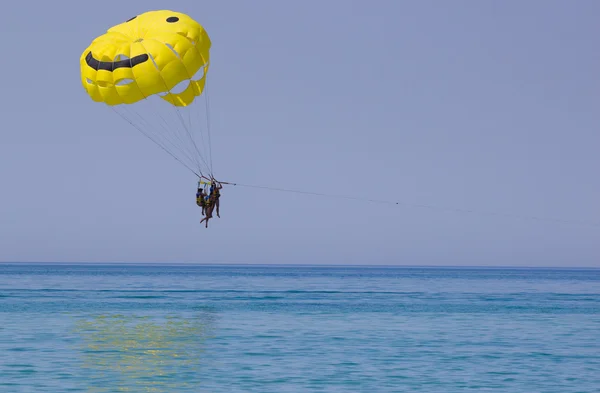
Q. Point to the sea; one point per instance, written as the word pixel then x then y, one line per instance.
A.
pixel 286 329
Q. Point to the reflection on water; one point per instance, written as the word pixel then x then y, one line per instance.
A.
pixel 142 353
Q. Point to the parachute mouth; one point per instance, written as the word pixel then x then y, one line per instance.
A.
pixel 96 64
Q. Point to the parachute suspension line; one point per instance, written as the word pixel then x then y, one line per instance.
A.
pixel 172 133
pixel 191 138
pixel 190 78
pixel 159 145
pixel 165 127
pixel 189 155
pixel 157 135
pixel 207 101
pixel 190 135
pixel 199 126
pixel 146 134
pixel 432 207
pixel 189 119
pixel 176 108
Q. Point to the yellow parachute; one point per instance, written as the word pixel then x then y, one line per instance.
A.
pixel 158 59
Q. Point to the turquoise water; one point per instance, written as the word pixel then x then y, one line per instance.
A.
pixel 297 329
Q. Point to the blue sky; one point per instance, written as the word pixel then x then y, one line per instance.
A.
pixel 488 106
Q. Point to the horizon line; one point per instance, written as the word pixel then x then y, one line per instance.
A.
pixel 283 265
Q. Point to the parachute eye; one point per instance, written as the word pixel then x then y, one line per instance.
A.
pixel 130 19
pixel 172 19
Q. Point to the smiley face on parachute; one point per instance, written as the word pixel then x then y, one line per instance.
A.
pixel 149 54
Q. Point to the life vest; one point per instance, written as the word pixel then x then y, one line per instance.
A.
pixel 199 200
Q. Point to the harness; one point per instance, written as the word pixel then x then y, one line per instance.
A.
pixel 211 193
